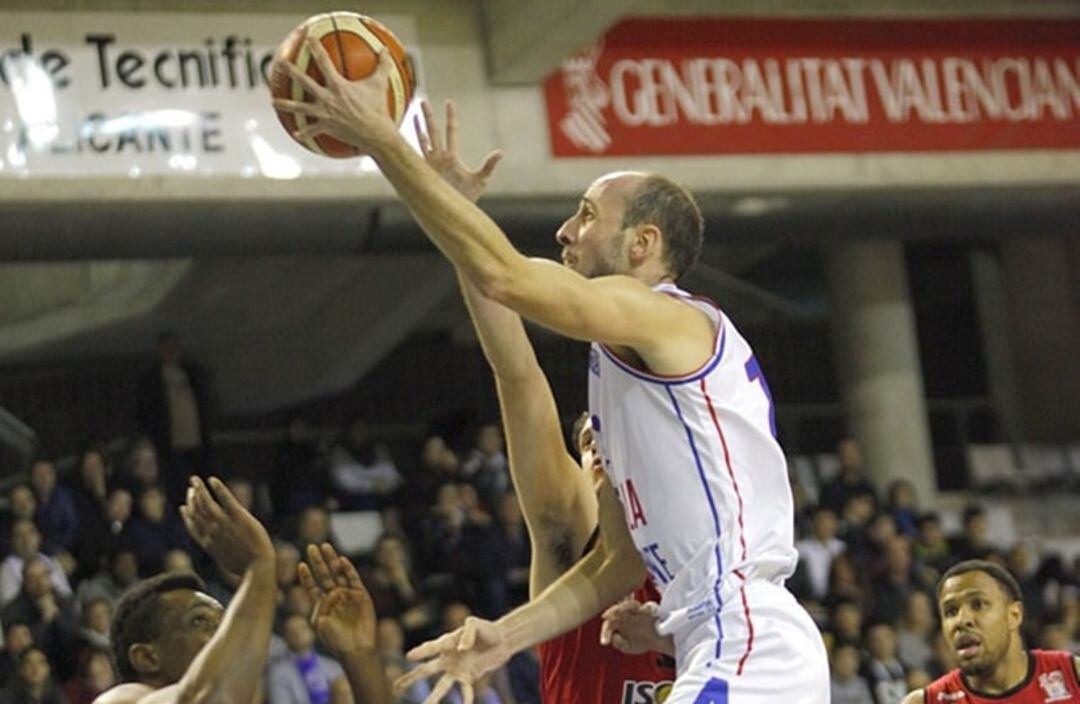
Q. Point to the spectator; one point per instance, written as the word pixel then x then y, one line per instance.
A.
pixel 297 602
pixel 22 505
pixel 854 521
pixel 89 492
pixel 818 551
pixel 915 633
pixel 302 676
pixel 362 472
pixel 973 543
pixel 515 551
pixel 845 582
pixel 121 570
pixel 52 618
pixel 312 527
pixel 846 623
pixel 17 638
pixel 850 481
pixel 486 467
pixel 26 544
pixel 95 675
pixel 847 686
pixel 902 506
pixel 287 560
pixel 143 468
pixel 883 670
pixel 154 531
pixel 94 627
pixel 298 479
pixel 1021 564
pixel 56 517
pixel 33 683
pixel 391 639
pixel 930 546
pixel 894 582
pixel 393 586
pixel 174 411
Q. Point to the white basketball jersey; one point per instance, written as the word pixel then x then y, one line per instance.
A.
pixel 701 477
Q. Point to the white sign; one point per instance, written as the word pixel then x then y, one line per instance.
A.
pixel 88 93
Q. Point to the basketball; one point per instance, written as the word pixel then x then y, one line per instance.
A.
pixel 353 42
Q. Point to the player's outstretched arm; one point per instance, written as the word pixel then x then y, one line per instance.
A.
pixel 616 310
pixel 556 497
pixel 229 668
pixel 612 569
pixel 344 619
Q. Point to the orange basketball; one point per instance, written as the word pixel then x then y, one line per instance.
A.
pixel 353 42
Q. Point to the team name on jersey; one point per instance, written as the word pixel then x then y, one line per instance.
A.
pixel 645 692
pixel 632 506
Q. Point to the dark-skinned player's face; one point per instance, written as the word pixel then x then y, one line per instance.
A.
pixel 979 621
pixel 189 621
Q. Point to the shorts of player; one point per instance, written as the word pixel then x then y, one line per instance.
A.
pixel 784 660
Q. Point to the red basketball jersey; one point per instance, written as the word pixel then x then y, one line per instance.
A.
pixel 1051 679
pixel 576 669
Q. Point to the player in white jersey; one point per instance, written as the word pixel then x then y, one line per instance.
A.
pixel 739 636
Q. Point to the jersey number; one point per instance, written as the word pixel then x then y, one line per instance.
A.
pixel 753 373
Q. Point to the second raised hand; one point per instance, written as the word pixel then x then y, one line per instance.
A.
pixel 443 156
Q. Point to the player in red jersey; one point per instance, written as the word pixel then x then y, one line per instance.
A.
pixel 981 612
pixel 558 496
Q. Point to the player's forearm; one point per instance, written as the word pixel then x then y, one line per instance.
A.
pixel 229 667
pixel 595 582
pixel 464 233
pixel 364 671
pixel 502 335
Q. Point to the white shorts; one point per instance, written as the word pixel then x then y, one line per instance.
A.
pixel 763 649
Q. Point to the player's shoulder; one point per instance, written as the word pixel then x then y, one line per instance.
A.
pixel 916 697
pixel 128 693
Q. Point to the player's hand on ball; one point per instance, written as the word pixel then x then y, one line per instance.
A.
pixel 223 528
pixel 463 656
pixel 442 154
pixel 353 112
pixel 630 627
pixel 344 615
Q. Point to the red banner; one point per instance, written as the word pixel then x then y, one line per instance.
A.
pixel 723 86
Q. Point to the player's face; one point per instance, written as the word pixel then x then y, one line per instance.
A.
pixel 590 455
pixel 979 621
pixel 190 620
pixel 593 238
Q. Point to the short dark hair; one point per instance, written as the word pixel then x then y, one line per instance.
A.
pixel 998 573
pixel 661 202
pixel 138 616
pixel 575 432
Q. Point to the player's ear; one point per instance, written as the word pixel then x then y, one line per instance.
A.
pixel 1015 614
pixel 144 658
pixel 645 242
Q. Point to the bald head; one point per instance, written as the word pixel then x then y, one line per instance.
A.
pixel 651 199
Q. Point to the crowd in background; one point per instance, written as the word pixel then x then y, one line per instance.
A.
pixel 454 544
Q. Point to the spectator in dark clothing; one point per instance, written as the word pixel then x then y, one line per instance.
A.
pixel 95 675
pixel 902 506
pixel 56 517
pixel 515 551
pixel 52 618
pixel 1021 564
pixel 850 480
pixel 174 411
pixel 479 568
pixel 299 476
pixel 846 623
pixel 930 547
pixel 486 466
pixel 154 532
pixel 882 669
pixel 142 468
pixel 894 581
pixel 393 587
pixel 26 545
pixel 17 638
pixel 973 543
pixel 22 506
pixel 33 683
pixel 89 491
pixel 856 517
